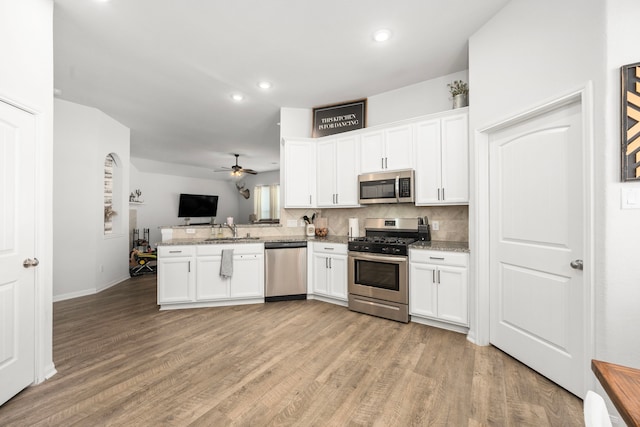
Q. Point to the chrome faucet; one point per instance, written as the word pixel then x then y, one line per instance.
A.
pixel 233 228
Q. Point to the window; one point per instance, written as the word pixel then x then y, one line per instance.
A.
pixel 267 201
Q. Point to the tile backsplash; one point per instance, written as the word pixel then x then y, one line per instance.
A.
pixel 453 220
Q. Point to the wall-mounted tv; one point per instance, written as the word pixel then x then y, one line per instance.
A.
pixel 197 205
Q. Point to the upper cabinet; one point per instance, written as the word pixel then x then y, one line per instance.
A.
pixel 387 149
pixel 323 172
pixel 337 172
pixel 442 156
pixel 299 170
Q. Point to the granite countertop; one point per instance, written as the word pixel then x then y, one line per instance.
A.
pixel 436 245
pixel 263 239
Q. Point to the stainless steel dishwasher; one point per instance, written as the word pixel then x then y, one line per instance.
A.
pixel 285 271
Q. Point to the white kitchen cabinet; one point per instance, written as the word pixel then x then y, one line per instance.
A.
pixel 438 283
pixel 337 172
pixel 299 171
pixel 387 149
pixel 247 280
pixel 442 157
pixel 329 267
pixel 189 276
pixel 248 276
pixel 176 274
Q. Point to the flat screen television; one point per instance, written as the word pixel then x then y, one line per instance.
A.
pixel 197 205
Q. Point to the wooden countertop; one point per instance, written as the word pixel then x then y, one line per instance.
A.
pixel 622 384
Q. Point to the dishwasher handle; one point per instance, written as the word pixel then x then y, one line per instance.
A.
pixel 285 245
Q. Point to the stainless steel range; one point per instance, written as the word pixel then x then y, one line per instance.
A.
pixel 379 267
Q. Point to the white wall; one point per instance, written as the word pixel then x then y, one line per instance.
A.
pixel 427 97
pixel 618 292
pixel 525 56
pixel 26 79
pixel 161 196
pixel 85 259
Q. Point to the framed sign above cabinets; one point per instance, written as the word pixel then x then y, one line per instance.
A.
pixel 333 119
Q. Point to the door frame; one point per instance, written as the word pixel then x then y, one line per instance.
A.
pixel 479 219
pixel 43 245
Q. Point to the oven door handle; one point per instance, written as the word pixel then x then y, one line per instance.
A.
pixel 381 258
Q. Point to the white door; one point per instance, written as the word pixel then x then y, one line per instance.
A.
pixel 536 228
pixel 399 148
pixel 326 173
pixel 17 244
pixel 338 267
pixel 347 169
pixel 455 159
pixel 428 174
pixel 248 276
pixel 209 284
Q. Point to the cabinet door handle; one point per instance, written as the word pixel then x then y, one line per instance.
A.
pixel 336 198
pixel 175 252
pixel 329 262
pixel 433 276
pixel 438 277
pixel 329 249
pixel 435 257
pixel 326 262
pixel 442 193
pixel 438 194
pixel 189 266
pixel 309 198
pixel 386 163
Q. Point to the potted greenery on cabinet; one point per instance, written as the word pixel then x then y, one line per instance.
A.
pixel 459 91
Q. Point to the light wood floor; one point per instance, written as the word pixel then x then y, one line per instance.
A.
pixel 122 362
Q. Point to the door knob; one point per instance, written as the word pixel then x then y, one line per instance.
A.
pixel 576 264
pixel 30 262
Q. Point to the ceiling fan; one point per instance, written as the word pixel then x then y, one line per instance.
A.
pixel 237 170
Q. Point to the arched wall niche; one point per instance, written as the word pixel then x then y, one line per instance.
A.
pixel 112 194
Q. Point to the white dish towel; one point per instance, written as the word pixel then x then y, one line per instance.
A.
pixel 226 266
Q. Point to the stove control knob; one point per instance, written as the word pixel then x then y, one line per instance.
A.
pixel 396 250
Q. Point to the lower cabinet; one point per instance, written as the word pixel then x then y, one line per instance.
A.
pixel 176 274
pixel 202 276
pixel 329 267
pixel 438 283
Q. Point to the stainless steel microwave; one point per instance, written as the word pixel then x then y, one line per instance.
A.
pixel 386 187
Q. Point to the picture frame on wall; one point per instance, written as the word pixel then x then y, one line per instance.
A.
pixel 338 118
pixel 630 126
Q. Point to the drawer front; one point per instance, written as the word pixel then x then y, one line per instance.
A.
pixel 330 248
pixel 439 257
pixel 238 248
pixel 176 251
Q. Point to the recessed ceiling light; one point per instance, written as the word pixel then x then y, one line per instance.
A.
pixel 382 35
pixel 237 97
pixel 264 85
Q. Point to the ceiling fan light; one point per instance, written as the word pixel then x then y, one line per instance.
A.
pixel 264 85
pixel 237 97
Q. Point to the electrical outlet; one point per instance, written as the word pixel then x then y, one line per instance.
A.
pixel 435 225
pixel 191 231
pixel 292 223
